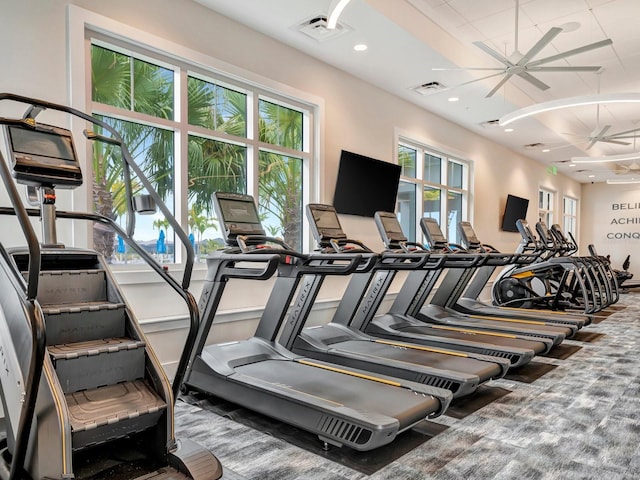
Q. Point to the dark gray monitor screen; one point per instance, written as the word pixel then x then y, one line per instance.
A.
pixel 41 144
pixel 326 220
pixel 515 209
pixel 469 233
pixel 238 211
pixel 365 185
pixel 391 225
pixel 434 231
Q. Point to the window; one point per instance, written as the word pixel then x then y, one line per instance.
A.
pixel 570 216
pixel 546 199
pixel 432 185
pixel 219 134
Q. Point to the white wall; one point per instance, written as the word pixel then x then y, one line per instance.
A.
pixel 357 117
pixel 611 214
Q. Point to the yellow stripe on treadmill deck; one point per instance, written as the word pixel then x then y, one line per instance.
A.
pixel 535 310
pixel 474 332
pixel 349 372
pixel 420 347
pixel 508 320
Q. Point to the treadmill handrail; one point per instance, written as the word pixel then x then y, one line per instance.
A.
pixel 402 261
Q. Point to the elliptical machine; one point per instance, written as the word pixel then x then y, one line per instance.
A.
pixel 84 395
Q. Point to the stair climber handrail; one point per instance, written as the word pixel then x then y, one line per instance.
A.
pixel 129 165
pixel 38 333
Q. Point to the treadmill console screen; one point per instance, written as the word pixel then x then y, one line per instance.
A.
pixel 433 232
pixel 43 155
pixel 469 233
pixel 238 215
pixel 391 228
pixel 325 224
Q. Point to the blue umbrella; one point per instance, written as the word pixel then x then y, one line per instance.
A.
pixel 121 247
pixel 161 246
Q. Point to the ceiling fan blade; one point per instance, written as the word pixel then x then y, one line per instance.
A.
pixel 600 134
pixel 569 53
pixel 592 142
pixel 540 44
pixel 565 68
pixel 474 80
pixel 464 68
pixel 618 135
pixel 493 53
pixel 504 80
pixel 533 80
pixel 617 142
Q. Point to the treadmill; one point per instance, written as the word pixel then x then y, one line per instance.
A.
pixel 337 342
pixel 341 405
pixel 467 299
pixel 366 290
pixel 435 309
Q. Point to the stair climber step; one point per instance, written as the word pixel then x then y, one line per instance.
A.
pixel 114 411
pixel 91 364
pixel 59 287
pixel 84 322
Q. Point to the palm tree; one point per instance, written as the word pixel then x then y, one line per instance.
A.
pixel 131 84
pixel 280 185
pixel 199 223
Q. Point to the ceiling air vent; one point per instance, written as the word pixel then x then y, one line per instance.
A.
pixel 491 123
pixel 534 146
pixel 429 88
pixel 316 28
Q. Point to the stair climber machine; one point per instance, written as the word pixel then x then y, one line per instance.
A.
pixel 338 342
pixel 343 406
pixel 465 299
pixel 547 283
pixel 598 268
pixel 456 281
pixel 594 289
pixel 366 290
pixel 83 394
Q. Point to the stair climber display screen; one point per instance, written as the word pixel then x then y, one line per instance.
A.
pixel 44 154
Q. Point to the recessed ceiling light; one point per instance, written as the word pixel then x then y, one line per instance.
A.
pixel 360 47
pixel 572 164
pixel 453 99
pixel 508 130
pixel 591 176
pixel 546 150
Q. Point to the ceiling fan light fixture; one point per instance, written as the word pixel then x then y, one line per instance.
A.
pixel 335 9
pixel 569 102
pixel 622 181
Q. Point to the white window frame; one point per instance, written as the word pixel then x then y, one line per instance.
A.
pixel 570 216
pixel 85 25
pixel 546 205
pixel 420 183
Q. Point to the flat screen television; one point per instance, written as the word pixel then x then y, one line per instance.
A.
pixel 515 209
pixel 365 185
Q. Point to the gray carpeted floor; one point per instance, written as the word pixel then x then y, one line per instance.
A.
pixel 581 420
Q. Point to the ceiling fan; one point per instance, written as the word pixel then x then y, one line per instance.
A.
pixel 600 135
pixel 620 169
pixel 523 65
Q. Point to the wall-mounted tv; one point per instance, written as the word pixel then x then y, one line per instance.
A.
pixel 365 185
pixel 515 209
